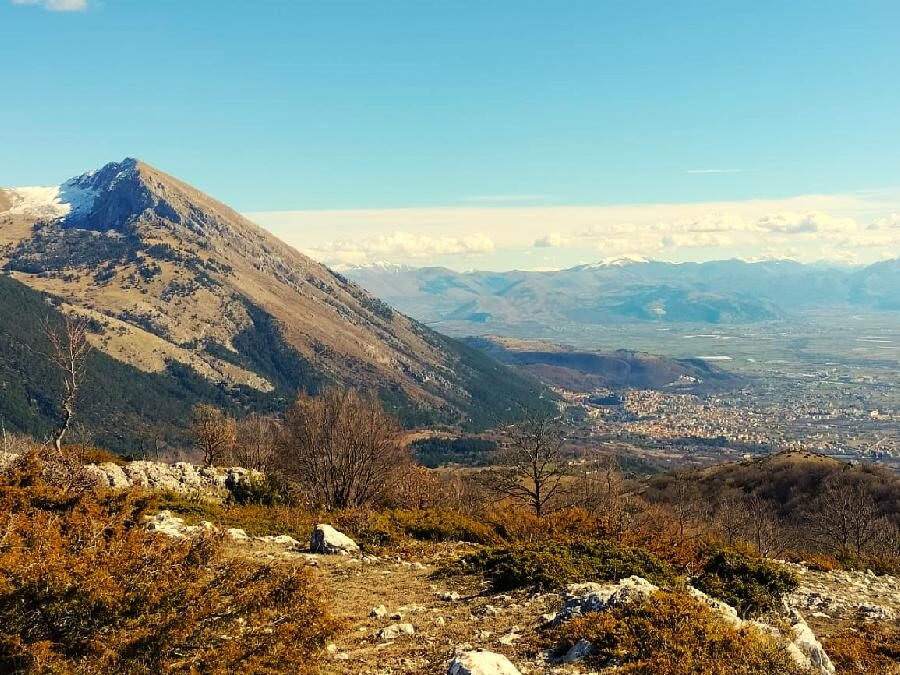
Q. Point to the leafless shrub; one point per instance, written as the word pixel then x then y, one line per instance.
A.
pixel 340 449
pixel 255 440
pixel 214 433
pixel 532 466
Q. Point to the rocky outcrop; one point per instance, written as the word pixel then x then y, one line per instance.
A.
pixel 800 642
pixel 326 539
pixel 593 597
pixel 480 662
pixel 805 648
pixel 180 477
pixel 845 594
pixel 165 522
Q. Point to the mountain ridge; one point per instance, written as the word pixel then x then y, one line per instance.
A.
pixel 726 291
pixel 169 274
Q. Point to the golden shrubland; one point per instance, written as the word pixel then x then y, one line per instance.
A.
pixel 84 588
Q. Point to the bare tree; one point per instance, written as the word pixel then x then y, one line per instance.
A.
pixel 761 526
pixel 69 349
pixel 255 442
pixel 532 468
pixel 844 515
pixel 688 505
pixel 731 516
pixel 340 448
pixel 214 432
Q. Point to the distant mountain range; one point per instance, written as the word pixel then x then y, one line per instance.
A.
pixel 183 289
pixel 719 292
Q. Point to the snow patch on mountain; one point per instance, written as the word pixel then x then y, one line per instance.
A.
pixel 51 202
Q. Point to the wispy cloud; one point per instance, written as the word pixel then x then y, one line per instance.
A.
pixel 404 245
pixel 56 5
pixel 711 171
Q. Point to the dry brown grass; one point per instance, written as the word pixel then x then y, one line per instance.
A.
pixel 84 588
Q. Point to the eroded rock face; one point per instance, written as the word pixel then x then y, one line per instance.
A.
pixel 480 662
pixel 805 648
pixel 326 539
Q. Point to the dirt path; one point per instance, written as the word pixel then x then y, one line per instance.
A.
pixel 445 614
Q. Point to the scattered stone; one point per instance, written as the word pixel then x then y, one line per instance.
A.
pixel 378 612
pixel 396 616
pixel 481 663
pixel 511 637
pixel 577 652
pixel 395 631
pixel 280 540
pixel 449 596
pixel 237 534
pixel 326 539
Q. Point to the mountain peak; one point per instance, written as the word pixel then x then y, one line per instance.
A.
pixel 176 277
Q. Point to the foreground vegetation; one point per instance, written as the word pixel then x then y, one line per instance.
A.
pixel 84 588
pixel 673 633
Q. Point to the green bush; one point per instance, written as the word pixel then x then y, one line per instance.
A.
pixel 753 586
pixel 672 633
pixel 255 490
pixel 554 565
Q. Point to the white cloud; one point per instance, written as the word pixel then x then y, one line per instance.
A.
pixel 551 240
pixel 814 221
pixel 808 227
pixel 56 5
pixel 891 222
pixel 403 245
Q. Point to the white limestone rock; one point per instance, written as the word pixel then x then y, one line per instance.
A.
pixel 806 650
pixel 480 662
pixel 326 539
pixel 594 597
pixel 395 631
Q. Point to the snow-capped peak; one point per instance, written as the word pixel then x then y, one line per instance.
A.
pixel 377 266
pixel 51 202
pixel 76 195
pixel 618 261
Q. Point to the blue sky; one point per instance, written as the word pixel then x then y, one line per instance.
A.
pixel 416 131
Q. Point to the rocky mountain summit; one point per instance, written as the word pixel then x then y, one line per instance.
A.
pixel 172 279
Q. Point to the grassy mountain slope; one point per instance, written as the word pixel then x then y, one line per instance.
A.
pixel 176 281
